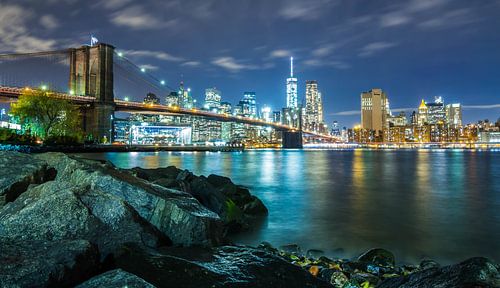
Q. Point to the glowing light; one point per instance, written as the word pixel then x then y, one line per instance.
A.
pixel 120 54
pixel 143 70
pixel 126 99
pixel 43 87
pixel 162 82
pixel 71 92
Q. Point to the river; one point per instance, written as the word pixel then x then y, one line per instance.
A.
pixel 441 204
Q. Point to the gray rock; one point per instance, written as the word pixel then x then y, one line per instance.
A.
pixel 428 263
pixel 62 210
pixel 115 279
pixel 227 266
pixel 19 170
pixel 474 272
pixel 38 263
pixel 177 214
pixel 378 256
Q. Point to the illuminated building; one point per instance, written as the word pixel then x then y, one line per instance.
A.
pixel 151 98
pixel 398 120
pixel 374 110
pixel 172 99
pixel 454 115
pixel 185 99
pixel 265 114
pixel 423 113
pixel 250 99
pixel 212 99
pixel 313 114
pixel 276 116
pixel 291 89
pixel 436 111
pixel 226 127
pixel 335 129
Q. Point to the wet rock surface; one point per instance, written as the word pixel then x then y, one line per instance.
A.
pixel 227 266
pixel 39 263
pixel 19 170
pixel 116 279
pixel 233 203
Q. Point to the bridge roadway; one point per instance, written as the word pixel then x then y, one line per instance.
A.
pixel 12 93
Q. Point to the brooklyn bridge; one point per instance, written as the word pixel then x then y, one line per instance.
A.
pixel 91 86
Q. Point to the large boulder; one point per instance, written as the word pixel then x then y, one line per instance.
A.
pixel 38 263
pixel 228 266
pixel 474 272
pixel 177 214
pixel 19 170
pixel 60 210
pixel 378 256
pixel 115 279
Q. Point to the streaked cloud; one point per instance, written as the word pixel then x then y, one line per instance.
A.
pixel 160 55
pixel 375 47
pixel 191 63
pixel 280 53
pixel 488 106
pixel 304 10
pixel 136 18
pixel 232 65
pixel 346 113
pixel 49 22
pixel 149 67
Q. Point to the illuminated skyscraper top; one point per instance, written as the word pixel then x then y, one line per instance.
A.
pixel 291 88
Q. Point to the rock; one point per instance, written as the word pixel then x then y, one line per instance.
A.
pixel 255 207
pixel 169 172
pixel 64 211
pixel 427 264
pixel 38 263
pixel 218 181
pixel 338 279
pixel 167 183
pixel 378 256
pixel 314 253
pixel 115 279
pixel 474 272
pixel 227 266
pixel 177 214
pixel 19 170
pixel 293 249
pixel 267 247
pixel 361 278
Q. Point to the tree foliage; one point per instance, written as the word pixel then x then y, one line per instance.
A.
pixel 45 116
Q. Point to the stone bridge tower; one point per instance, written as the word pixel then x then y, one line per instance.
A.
pixel 91 74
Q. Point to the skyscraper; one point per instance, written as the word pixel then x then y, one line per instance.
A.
pixel 313 116
pixel 423 113
pixel 374 107
pixel 250 99
pixel 291 89
pixel 185 99
pixel 454 114
pixel 436 112
pixel 212 99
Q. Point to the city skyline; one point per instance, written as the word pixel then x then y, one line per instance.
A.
pixel 457 61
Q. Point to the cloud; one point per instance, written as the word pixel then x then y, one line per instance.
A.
pixel 160 55
pixel 49 22
pixel 323 50
pixel 322 62
pixel 346 113
pixel 394 19
pixel 113 4
pixel 136 18
pixel 490 106
pixel 456 17
pixel 304 10
pixel 14 33
pixel 191 63
pixel 149 67
pixel 229 63
pixel 375 47
pixel 280 53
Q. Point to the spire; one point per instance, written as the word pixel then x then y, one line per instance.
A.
pixel 422 105
pixel 291 67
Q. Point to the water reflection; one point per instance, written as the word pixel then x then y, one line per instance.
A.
pixel 440 204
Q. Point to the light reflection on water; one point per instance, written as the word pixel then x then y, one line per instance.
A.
pixel 440 204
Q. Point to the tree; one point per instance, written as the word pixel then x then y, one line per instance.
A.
pixel 46 116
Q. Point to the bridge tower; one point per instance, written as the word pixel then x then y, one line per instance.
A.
pixel 91 74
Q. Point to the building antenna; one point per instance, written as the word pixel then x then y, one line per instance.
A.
pixel 291 67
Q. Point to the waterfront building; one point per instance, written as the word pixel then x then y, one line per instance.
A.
pixel 226 127
pixel 313 112
pixel 436 111
pixel 397 120
pixel 276 116
pixel 335 129
pixel 265 114
pixel 374 110
pixel 212 99
pixel 423 113
pixel 454 114
pixel 151 98
pixel 291 89
pixel 249 98
pixel 172 99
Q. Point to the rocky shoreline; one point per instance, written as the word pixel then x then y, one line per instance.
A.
pixel 67 221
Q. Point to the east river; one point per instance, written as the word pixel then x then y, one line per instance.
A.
pixel 441 204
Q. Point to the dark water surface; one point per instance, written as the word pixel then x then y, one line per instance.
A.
pixel 422 203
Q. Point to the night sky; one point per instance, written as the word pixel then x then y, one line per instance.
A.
pixel 411 49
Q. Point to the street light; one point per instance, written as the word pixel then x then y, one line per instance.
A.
pixel 162 82
pixel 143 70
pixel 43 87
